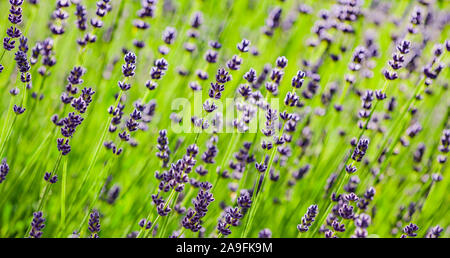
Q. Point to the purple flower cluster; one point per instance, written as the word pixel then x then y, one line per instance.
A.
pixel 81 22
pixel 434 232
pixel 163 147
pixel 231 218
pixel 360 150
pixel 242 157
pixel 48 60
pixel 244 201
pixel 50 178
pixel 265 233
pixel 218 87
pixel 192 220
pixel 397 60
pixel 368 197
pixel 103 7
pixel 175 178
pixel 147 11
pixel 410 230
pixel 59 16
pixel 362 222
pixel 94 224
pixel 128 69
pixel 70 123
pixel 444 146
pixel 143 223
pixel 37 224
pixel 308 218
pixel 4 170
pixel 15 17
pixel 211 151
pixel 156 73
pixel 344 210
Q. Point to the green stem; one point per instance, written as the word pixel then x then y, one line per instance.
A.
pixel 46 190
pixel 63 195
pixel 257 195
pixel 225 158
pixel 97 149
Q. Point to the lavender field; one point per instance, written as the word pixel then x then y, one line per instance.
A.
pixel 224 119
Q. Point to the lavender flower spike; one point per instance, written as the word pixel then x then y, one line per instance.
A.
pixel 37 224
pixel 308 218
pixel 94 224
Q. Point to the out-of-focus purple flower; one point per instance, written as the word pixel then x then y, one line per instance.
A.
pixel 265 233
pixel 434 232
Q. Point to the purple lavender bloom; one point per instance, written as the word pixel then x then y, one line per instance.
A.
pixel 222 76
pixel 94 224
pixel 410 230
pixel 13 32
pixel 350 169
pixel 129 66
pixel 37 224
pixel 231 218
pixel 113 194
pixel 8 43
pixel 244 200
pixel 22 62
pixel 163 146
pixel 193 217
pixel 444 147
pixel 4 169
pixel 14 91
pixel 298 79
pixel 281 62
pixel 210 153
pixel 360 149
pixel 265 233
pixel 244 46
pixel 308 218
pixel 75 75
pixel 330 234
pixel 338 227
pixel 351 197
pixel 71 122
pixel 143 223
pixel 63 146
pixel 434 232
pixel 363 221
pixel 234 63
pixel 18 109
pixel 49 178
pixel 211 56
pixel 169 35
pixel 15 15
pixel 360 233
pixel 163 210
pixel 223 228
pixel 216 90
pixel 404 47
pixel 81 14
pixel 215 44
pixel 346 211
